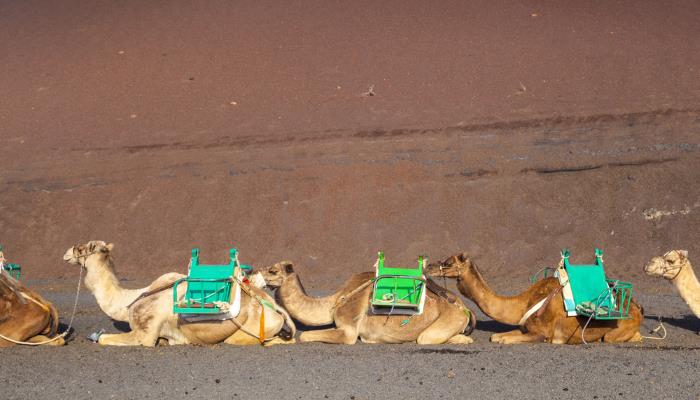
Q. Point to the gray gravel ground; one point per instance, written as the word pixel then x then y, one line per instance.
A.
pixel 652 370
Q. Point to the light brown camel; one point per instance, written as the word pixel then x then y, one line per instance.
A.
pixel 440 322
pixel 552 325
pixel 25 316
pixel 675 267
pixel 152 318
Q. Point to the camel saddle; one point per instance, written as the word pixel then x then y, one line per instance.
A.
pixel 587 291
pixel 398 290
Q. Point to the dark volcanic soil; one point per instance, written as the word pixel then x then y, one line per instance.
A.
pixel 505 130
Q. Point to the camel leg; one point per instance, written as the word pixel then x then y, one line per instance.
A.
pixel 447 328
pixel 460 339
pixel 133 338
pixel 623 334
pixel 516 336
pixel 333 336
pixel 279 340
pixel 43 338
pixel 627 330
pixel 240 338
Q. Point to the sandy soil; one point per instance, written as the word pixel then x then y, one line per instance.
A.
pixel 505 130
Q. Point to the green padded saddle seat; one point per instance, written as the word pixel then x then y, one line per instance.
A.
pixel 594 294
pixel 398 290
pixel 206 284
pixel 13 269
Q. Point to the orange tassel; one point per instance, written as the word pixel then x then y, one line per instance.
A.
pixel 262 324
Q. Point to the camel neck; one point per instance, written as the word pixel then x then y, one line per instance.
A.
pixel 104 285
pixel 311 311
pixel 688 287
pixel 505 309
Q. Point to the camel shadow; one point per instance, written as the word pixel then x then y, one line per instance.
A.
pixel 62 328
pixel 121 326
pixel 492 326
pixel 301 327
pixel 687 322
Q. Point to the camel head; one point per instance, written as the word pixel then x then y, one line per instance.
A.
pixel 452 267
pixel 96 250
pixel 667 266
pixel 276 274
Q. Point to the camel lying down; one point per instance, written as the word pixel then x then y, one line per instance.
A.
pixel 551 326
pixel 25 316
pixel 152 318
pixel 442 321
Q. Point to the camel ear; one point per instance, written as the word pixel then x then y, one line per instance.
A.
pixel 683 254
pixel 288 268
pixel 110 246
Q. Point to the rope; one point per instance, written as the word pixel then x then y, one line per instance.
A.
pixel 343 299
pixel 70 323
pixel 656 330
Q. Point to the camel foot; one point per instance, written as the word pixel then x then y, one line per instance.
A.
pixel 516 336
pixel 460 339
pixel 43 338
pixel 279 340
pixel 332 336
pixel 637 337
pixel 123 339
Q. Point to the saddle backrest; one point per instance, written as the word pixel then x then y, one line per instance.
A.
pixel 588 282
pixel 398 283
pixel 210 283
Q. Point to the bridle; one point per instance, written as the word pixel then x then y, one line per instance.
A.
pixel 442 272
pixel 678 268
pixel 84 256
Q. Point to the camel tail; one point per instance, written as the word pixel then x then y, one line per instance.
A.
pixel 289 329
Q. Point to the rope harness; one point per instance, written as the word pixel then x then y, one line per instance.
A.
pixel 677 268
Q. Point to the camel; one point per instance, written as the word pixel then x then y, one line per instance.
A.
pixel 675 267
pixel 25 316
pixel 149 310
pixel 551 325
pixel 440 322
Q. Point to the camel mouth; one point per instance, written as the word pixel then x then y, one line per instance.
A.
pixel 68 257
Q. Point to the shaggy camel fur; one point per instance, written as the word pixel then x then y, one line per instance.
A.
pixel 552 326
pixel 24 315
pixel 152 318
pixel 675 267
pixel 440 322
